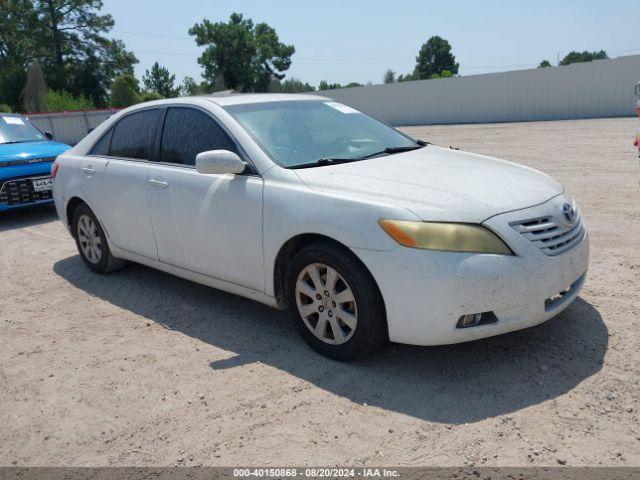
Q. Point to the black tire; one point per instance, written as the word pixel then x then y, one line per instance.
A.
pixel 371 329
pixel 107 262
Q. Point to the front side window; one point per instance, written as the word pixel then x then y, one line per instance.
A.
pixel 300 132
pixel 188 132
pixel 134 134
pixel 16 129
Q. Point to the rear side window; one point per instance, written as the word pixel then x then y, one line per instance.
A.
pixel 188 132
pixel 133 135
pixel 102 147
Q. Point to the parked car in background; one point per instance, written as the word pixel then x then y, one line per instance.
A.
pixel 26 158
pixel 361 232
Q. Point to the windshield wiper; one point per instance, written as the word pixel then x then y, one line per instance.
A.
pixel 11 141
pixel 334 161
pixel 392 150
pixel 324 162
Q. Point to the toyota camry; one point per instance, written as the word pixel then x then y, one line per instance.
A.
pixel 362 233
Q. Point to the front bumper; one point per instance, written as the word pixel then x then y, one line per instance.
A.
pixel 426 292
pixel 16 187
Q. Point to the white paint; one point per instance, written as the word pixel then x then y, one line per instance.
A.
pixel 226 230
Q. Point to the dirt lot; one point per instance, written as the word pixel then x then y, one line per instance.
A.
pixel 142 368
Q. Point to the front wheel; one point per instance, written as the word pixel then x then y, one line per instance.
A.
pixel 334 302
pixel 92 242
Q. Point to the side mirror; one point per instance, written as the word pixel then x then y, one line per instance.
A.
pixel 218 162
pixel 49 135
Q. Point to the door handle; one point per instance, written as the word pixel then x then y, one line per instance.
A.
pixel 158 183
pixel 88 170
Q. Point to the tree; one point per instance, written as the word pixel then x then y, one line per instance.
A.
pixel 578 57
pixel 244 55
pixel 407 78
pixel 189 87
pixel 293 85
pixel 35 90
pixel 125 91
pixel 434 57
pixel 160 81
pixel 443 74
pixel 544 64
pixel 389 76
pixel 17 48
pixel 76 56
pixel 324 85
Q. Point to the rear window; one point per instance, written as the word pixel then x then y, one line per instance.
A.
pixel 102 147
pixel 133 135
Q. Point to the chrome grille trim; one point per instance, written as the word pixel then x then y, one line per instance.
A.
pixel 19 191
pixel 549 235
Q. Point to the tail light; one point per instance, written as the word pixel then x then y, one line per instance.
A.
pixel 54 169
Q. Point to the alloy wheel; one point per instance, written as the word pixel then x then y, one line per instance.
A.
pixel 89 239
pixel 326 304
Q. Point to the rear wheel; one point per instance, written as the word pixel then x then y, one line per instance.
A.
pixel 92 242
pixel 334 302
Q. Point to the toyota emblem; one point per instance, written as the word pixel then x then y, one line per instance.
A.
pixel 569 213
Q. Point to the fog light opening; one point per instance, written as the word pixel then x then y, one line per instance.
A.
pixel 475 319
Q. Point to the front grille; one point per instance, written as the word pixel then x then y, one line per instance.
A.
pixel 549 235
pixel 19 191
pixel 12 163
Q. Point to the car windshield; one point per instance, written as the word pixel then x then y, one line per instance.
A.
pixel 15 129
pixel 314 132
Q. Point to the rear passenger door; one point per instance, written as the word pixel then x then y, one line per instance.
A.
pixel 209 224
pixel 115 181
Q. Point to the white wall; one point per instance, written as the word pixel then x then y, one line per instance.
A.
pixel 70 127
pixel 604 88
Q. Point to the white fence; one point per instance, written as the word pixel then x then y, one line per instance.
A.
pixel 70 127
pixel 604 88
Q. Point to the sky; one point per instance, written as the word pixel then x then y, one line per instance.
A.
pixel 357 41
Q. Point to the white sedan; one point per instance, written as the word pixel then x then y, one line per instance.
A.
pixel 362 233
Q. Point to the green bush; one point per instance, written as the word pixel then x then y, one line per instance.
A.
pixel 148 96
pixel 4 108
pixel 61 100
pixel 125 91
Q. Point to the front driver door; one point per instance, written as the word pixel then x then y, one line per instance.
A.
pixel 209 224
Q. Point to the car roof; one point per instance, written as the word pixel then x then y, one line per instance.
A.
pixel 243 98
pixel 231 98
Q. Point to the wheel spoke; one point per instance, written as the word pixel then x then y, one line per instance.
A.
pixel 307 309
pixel 344 296
pixel 332 277
pixel 304 288
pixel 321 326
pixel 314 274
pixel 338 334
pixel 348 318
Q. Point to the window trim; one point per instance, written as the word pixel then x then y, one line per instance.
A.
pixel 250 169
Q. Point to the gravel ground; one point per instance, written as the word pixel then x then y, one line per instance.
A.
pixel 142 368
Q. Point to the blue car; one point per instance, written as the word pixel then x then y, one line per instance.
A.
pixel 26 157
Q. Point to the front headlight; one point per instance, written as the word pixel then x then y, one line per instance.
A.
pixel 448 237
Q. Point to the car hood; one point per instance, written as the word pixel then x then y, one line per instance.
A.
pixel 25 151
pixel 437 184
